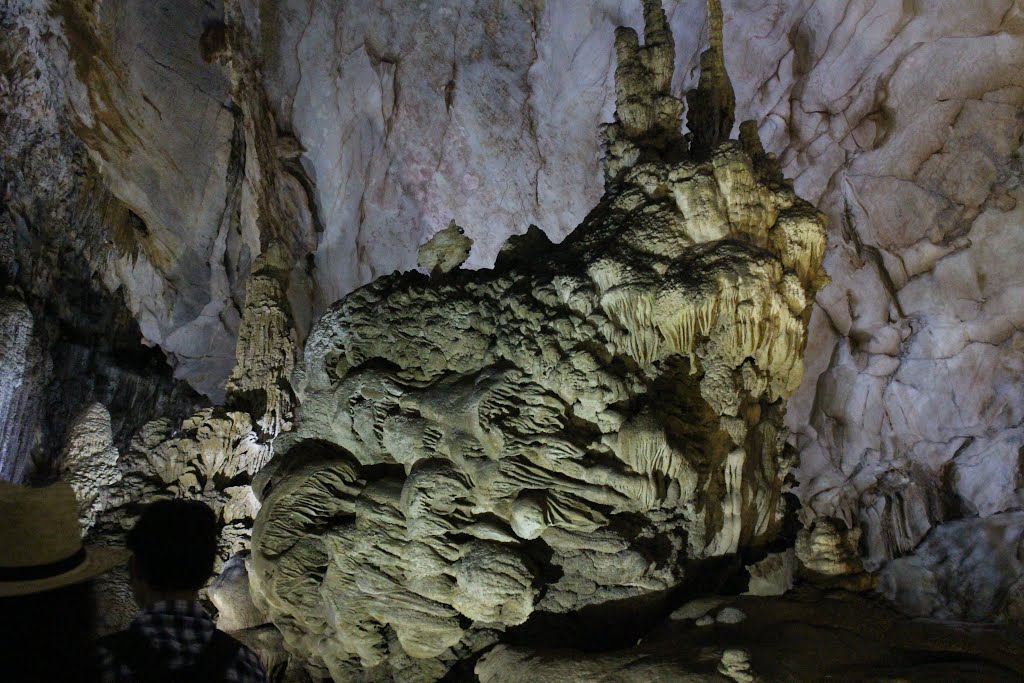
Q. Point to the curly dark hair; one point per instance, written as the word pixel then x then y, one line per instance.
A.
pixel 175 544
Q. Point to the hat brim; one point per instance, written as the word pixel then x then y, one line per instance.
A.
pixel 98 560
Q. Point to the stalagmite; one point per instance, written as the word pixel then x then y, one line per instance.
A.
pixel 265 353
pixel 563 431
pixel 89 462
pixel 178 176
pixel 647 116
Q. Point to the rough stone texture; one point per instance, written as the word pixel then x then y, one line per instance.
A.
pixel 899 120
pixel 176 131
pixel 210 456
pixel 910 413
pixel 265 353
pixel 229 593
pixel 89 462
pixel 970 569
pixel 829 548
pixel 155 120
pixel 58 228
pixel 562 431
pixel 20 380
pixel 115 604
pixel 711 105
pixel 267 643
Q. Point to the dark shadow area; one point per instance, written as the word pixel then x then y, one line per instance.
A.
pixel 620 623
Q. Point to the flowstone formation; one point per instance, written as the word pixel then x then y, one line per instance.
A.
pixel 563 431
pixel 211 455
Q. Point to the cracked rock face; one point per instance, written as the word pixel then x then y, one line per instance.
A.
pixel 564 430
pixel 910 414
pixel 901 123
pixel 969 569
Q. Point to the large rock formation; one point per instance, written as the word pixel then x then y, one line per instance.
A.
pixel 971 569
pixel 150 151
pixel 565 430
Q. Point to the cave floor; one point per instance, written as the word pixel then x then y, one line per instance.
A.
pixel 808 634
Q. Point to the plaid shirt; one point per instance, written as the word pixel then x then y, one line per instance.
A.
pixel 179 630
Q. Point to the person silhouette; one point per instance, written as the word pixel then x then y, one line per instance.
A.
pixel 173 546
pixel 47 632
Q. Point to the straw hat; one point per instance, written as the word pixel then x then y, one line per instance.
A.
pixel 41 541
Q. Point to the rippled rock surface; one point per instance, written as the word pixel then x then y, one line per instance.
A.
pixel 563 431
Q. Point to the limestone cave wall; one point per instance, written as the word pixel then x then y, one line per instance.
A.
pixel 151 151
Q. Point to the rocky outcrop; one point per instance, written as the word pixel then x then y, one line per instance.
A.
pixel 353 133
pixel 210 456
pixel 968 570
pixel 773 575
pixel 565 430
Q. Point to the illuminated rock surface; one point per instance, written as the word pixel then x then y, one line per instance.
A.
pixel 19 386
pixel 89 462
pixel 563 431
pixel 151 151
